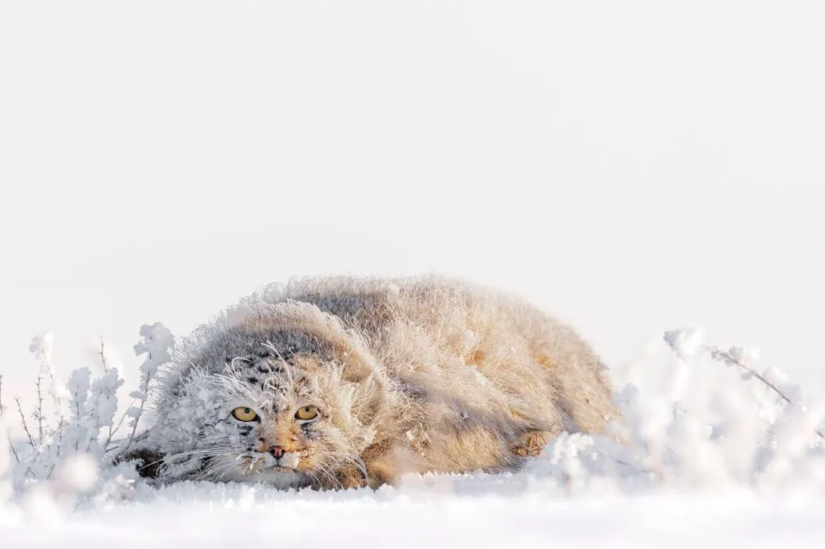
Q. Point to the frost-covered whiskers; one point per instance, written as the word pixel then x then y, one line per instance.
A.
pixel 264 418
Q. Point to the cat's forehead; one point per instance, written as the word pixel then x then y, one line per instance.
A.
pixel 294 373
pixel 272 387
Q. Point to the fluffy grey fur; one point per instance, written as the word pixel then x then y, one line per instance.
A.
pixel 407 375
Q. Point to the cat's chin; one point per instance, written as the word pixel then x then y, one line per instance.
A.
pixel 279 477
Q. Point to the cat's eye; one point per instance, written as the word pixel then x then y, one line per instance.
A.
pixel 306 413
pixel 243 413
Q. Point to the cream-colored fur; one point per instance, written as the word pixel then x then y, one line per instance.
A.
pixel 412 375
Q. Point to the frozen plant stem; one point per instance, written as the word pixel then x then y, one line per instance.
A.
pixel 103 356
pixel 110 433
pixel 46 362
pixel 139 413
pixel 8 435
pixel 13 450
pixel 718 354
pixel 724 356
pixel 58 401
pixel 38 415
pixel 156 343
pixel 28 434
pixel 116 429
pixel 23 420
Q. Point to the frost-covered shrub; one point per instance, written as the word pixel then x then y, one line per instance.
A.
pixel 5 462
pixel 74 450
pixel 157 343
pixel 691 425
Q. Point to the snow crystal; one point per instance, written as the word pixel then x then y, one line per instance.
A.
pixel 157 343
pixel 103 400
pixel 686 342
pixel 744 355
pixel 43 345
pixel 78 388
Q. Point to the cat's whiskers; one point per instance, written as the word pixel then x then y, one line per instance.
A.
pixel 329 460
pixel 348 457
pixel 174 457
pixel 327 473
pixel 219 470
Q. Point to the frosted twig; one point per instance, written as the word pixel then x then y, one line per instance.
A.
pixel 156 343
pixel 42 346
pixel 724 356
pixel 38 414
pixel 23 420
pixel 47 363
pixel 112 433
pixel 59 446
pixel 139 413
pixel 716 353
pixel 2 410
pixel 103 356
pixel 13 450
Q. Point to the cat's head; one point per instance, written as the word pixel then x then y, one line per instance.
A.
pixel 273 400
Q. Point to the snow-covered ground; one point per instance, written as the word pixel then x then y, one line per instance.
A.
pixel 498 513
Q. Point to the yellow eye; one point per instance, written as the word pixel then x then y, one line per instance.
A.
pixel 306 413
pixel 244 414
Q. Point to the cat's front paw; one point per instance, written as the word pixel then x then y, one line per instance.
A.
pixel 147 462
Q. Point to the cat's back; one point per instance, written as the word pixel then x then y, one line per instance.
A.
pixel 443 332
pixel 374 306
pixel 444 308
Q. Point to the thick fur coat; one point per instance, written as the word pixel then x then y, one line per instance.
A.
pixel 345 382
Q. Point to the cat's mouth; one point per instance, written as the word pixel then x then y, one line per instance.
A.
pixel 266 463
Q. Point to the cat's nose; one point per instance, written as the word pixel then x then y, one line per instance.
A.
pixel 277 451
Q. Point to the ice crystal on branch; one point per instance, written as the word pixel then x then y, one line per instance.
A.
pixel 685 342
pixel 158 344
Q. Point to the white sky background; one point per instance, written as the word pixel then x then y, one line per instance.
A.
pixel 631 166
